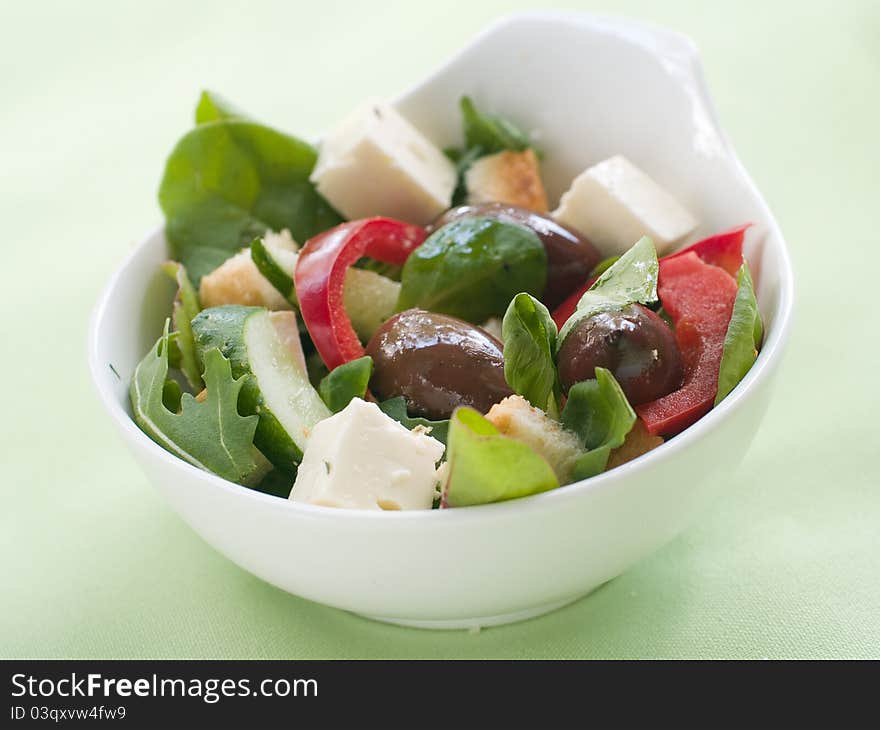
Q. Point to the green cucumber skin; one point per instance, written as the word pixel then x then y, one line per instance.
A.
pixel 270 269
pixel 223 327
pixel 270 436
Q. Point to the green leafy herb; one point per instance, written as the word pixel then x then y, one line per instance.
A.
pixel 529 336
pixel 490 133
pixel 743 338
pixel 485 466
pixel 345 382
pixel 603 266
pixel 472 268
pixel 598 413
pixel 227 182
pixel 212 107
pixel 186 306
pixel 484 134
pixel 396 409
pixel 277 483
pixel 630 279
pixel 211 435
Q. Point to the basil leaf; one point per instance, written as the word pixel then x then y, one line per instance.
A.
pixel 631 279
pixel 227 182
pixel 186 306
pixel 211 434
pixel 598 413
pixel 213 107
pixel 485 466
pixel 396 409
pixel 529 336
pixel 490 133
pixel 472 268
pixel 345 382
pixel 743 338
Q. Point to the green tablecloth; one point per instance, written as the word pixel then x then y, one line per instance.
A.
pixel 94 564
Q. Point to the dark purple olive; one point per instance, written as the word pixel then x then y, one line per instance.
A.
pixel 634 344
pixel 436 362
pixel 570 256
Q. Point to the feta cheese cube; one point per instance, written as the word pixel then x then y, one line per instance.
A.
pixel 614 204
pixel 360 458
pixel 377 163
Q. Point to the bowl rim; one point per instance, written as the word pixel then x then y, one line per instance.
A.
pixel 768 358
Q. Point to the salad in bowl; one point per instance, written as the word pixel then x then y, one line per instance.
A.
pixel 382 324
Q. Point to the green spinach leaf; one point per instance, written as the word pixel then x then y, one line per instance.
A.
pixel 598 413
pixel 211 434
pixel 529 336
pixel 186 306
pixel 227 182
pixel 345 382
pixel 485 466
pixel 396 409
pixel 472 268
pixel 743 338
pixel 630 279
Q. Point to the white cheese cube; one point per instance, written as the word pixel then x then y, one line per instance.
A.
pixel 360 458
pixel 377 163
pixel 614 204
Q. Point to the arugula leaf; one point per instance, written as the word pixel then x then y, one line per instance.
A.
pixel 472 268
pixel 229 181
pixel 345 382
pixel 598 413
pixel 529 336
pixel 396 409
pixel 213 107
pixel 743 338
pixel 186 306
pixel 630 279
pixel 485 466
pixel 211 434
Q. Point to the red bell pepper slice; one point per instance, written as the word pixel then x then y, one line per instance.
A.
pixel 724 249
pixel 699 298
pixel 319 278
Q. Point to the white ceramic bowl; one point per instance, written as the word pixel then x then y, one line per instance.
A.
pixel 592 88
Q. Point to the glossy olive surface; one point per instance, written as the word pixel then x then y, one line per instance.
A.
pixel 570 257
pixel 635 344
pixel 436 362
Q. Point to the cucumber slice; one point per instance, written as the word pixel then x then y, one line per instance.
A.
pixel 370 299
pixel 275 258
pixel 266 347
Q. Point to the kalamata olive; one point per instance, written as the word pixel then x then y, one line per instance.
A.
pixel 634 344
pixel 570 256
pixel 436 362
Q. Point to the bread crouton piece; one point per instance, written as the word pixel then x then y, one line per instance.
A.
pixel 638 441
pixel 238 281
pixel 507 177
pixel 517 418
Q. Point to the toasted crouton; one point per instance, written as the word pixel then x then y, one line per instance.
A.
pixel 638 441
pixel 517 418
pixel 238 281
pixel 507 177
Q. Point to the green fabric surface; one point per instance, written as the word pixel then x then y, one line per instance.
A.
pixel 93 563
